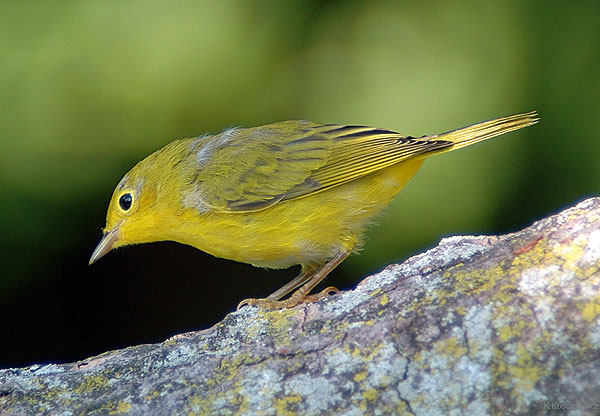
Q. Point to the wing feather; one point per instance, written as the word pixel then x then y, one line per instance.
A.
pixel 252 169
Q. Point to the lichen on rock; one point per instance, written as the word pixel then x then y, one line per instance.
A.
pixel 476 325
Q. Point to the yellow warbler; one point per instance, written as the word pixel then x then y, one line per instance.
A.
pixel 293 192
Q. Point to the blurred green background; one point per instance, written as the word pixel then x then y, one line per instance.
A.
pixel 88 88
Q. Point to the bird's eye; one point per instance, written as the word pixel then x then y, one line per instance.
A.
pixel 125 201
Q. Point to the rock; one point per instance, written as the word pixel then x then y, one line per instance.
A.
pixel 476 325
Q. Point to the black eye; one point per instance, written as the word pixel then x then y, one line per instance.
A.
pixel 125 201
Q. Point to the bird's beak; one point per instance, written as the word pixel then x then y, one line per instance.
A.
pixel 106 244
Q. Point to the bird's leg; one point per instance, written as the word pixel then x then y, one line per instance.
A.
pixel 300 295
pixel 284 290
pixel 297 282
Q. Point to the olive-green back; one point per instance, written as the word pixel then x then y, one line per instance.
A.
pixel 251 169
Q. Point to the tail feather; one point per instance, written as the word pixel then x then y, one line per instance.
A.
pixel 467 136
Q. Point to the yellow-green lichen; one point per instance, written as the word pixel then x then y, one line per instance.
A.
pixel 122 407
pixel 384 300
pixel 590 310
pixel 279 323
pixel 285 405
pixel 375 292
pixel 340 330
pixel 358 377
pixel 477 281
pixel 199 405
pixel 91 383
pixel 450 347
pixel 525 373
pixel 367 352
pixel 229 368
pixel 514 328
pixel 151 396
pixel 368 396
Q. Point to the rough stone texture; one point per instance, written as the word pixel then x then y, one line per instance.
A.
pixel 477 325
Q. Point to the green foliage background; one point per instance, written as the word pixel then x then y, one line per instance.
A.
pixel 88 88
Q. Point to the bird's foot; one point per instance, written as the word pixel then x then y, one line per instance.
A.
pixel 296 298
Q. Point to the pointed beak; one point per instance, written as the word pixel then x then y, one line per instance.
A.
pixel 106 244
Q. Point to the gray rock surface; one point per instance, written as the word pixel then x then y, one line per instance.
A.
pixel 476 325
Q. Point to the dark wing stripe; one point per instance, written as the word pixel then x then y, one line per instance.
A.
pixel 244 205
pixel 298 159
pixel 345 169
pixel 340 129
pixel 307 139
pixel 390 151
pixel 364 133
pixel 359 146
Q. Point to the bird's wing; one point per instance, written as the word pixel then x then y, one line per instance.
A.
pixel 251 169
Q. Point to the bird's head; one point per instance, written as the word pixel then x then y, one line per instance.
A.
pixel 134 215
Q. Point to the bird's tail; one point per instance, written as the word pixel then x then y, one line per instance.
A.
pixel 482 131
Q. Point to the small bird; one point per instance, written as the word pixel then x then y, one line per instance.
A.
pixel 283 194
